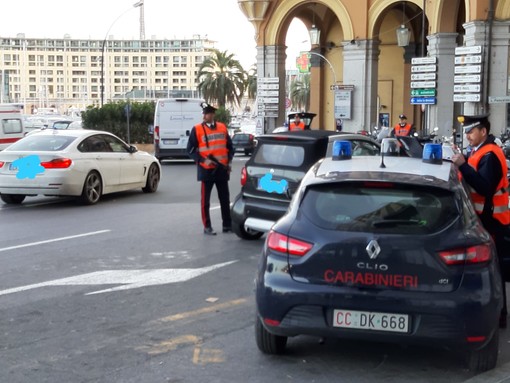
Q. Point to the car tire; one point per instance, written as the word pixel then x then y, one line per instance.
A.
pixel 92 189
pixel 242 233
pixel 269 343
pixel 153 177
pixel 13 199
pixel 485 358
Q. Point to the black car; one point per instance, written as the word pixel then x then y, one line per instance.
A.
pixel 273 173
pixel 244 142
pixel 386 254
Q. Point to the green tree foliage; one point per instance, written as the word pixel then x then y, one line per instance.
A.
pixel 251 83
pixel 300 92
pixel 221 79
pixel 112 118
pixel 223 115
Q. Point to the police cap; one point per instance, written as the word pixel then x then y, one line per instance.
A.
pixel 402 117
pixel 206 108
pixel 471 122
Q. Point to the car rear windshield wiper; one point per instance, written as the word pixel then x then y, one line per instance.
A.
pixel 398 222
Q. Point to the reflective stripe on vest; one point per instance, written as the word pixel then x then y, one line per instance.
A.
pixel 402 130
pixel 212 142
pixel 300 126
pixel 500 199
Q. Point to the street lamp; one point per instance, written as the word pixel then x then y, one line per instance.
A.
pixel 136 5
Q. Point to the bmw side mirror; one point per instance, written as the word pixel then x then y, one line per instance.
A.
pixel 132 149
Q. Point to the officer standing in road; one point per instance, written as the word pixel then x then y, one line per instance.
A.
pixel 297 124
pixel 403 128
pixel 211 148
pixel 485 171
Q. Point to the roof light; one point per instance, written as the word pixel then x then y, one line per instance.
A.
pixel 342 150
pixel 390 147
pixel 433 154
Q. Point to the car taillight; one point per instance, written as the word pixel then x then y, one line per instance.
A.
pixel 251 137
pixel 244 176
pixel 283 244
pixel 473 254
pixel 1 164
pixel 57 163
pixel 156 134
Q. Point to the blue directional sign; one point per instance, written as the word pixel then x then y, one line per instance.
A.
pixel 423 100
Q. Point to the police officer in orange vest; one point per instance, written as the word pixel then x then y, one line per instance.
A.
pixel 297 124
pixel 211 148
pixel 485 172
pixel 403 128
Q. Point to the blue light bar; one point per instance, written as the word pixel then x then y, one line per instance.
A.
pixel 433 154
pixel 342 150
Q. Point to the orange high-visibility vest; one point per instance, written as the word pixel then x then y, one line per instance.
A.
pixel 402 130
pixel 300 126
pixel 500 198
pixel 212 142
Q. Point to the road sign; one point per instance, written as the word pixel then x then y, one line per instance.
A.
pixel 423 76
pixel 423 92
pixel 268 100
pixel 423 60
pixel 423 68
pixel 464 78
pixel 267 93
pixel 467 88
pixel 423 100
pixel 266 80
pixel 474 50
pixel 341 87
pixel 268 86
pixel 342 106
pixel 468 69
pixel 267 106
pixel 468 59
pixel 499 100
pixel 466 97
pixel 423 84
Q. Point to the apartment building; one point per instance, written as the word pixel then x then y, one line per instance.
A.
pixel 65 73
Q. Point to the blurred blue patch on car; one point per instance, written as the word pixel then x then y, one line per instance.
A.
pixel 28 167
pixel 267 183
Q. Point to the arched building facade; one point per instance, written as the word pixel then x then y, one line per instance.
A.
pixel 358 47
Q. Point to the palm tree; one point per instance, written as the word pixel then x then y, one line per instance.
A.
pixel 300 92
pixel 251 82
pixel 221 79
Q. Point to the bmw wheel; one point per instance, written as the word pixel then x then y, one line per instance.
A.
pixel 153 178
pixel 243 233
pixel 12 199
pixel 485 358
pixel 92 188
pixel 267 342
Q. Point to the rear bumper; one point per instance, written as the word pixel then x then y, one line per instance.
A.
pixel 443 319
pixel 257 215
pixel 60 183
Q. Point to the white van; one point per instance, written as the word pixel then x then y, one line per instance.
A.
pixel 11 125
pixel 173 120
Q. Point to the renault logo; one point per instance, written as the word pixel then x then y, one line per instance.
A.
pixel 373 249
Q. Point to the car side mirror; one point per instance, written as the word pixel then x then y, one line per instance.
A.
pixel 132 149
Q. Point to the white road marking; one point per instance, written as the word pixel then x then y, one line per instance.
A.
pixel 54 240
pixel 129 279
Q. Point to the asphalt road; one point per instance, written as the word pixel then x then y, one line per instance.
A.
pixel 129 290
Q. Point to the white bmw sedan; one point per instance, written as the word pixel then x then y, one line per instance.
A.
pixel 81 163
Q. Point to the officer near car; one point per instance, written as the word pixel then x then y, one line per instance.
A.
pixel 210 146
pixel 403 128
pixel 297 124
pixel 485 172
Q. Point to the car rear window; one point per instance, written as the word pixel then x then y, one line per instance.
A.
pixel 379 208
pixel 283 155
pixel 241 137
pixel 12 125
pixel 36 142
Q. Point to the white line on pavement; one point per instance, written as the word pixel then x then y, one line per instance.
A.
pixel 54 240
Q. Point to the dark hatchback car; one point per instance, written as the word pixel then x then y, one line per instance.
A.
pixel 244 142
pixel 273 173
pixel 394 254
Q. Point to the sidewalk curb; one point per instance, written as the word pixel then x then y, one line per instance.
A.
pixel 500 374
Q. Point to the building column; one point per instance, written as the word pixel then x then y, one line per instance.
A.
pixel 271 63
pixel 495 68
pixel 361 59
pixel 317 91
pixel 442 46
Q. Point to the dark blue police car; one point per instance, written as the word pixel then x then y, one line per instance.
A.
pixel 378 250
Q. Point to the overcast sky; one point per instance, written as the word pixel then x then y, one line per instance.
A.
pixel 219 20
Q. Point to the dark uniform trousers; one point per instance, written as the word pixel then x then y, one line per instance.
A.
pixel 223 196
